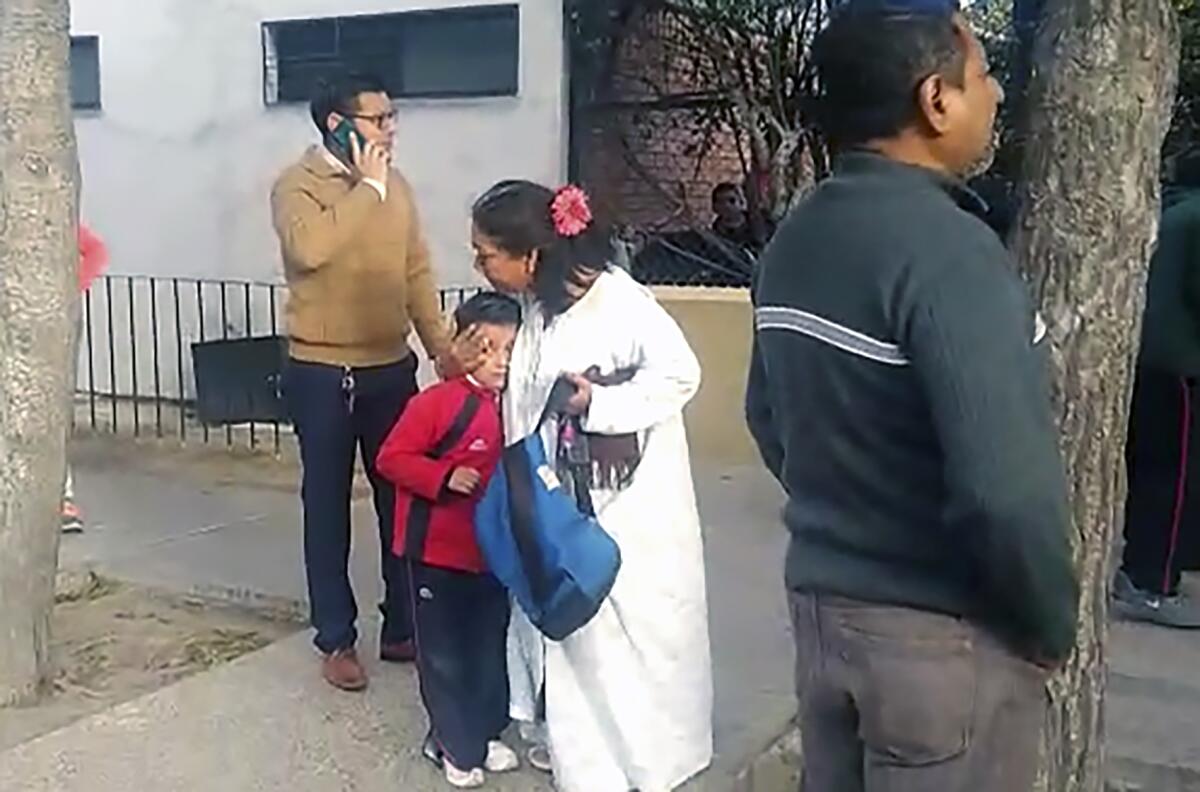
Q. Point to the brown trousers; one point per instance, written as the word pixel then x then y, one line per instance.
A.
pixel 900 700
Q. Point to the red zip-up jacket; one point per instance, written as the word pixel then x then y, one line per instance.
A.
pixel 433 524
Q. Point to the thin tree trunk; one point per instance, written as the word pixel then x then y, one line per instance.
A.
pixel 38 260
pixel 1101 92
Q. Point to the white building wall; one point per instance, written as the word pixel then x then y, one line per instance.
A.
pixel 178 165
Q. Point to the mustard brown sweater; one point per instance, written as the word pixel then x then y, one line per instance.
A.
pixel 357 267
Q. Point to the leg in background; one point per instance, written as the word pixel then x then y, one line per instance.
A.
pixel 72 517
pixel 1160 510
pixel 381 394
pixel 321 415
pixel 1156 458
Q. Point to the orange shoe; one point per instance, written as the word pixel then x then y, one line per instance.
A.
pixel 344 671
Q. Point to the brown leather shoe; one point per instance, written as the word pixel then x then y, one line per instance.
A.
pixel 343 670
pixel 403 652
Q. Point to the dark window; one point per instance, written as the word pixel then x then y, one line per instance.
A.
pixel 85 72
pixel 461 52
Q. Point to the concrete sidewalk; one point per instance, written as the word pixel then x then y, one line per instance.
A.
pixel 267 721
pixel 1154 707
pixel 230 528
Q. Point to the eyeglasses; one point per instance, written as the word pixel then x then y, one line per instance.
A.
pixel 378 120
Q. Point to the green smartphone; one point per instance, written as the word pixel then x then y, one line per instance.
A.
pixel 339 141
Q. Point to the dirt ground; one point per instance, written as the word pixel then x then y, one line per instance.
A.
pixel 114 642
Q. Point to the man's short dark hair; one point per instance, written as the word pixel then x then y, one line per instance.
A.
pixel 487 308
pixel 725 187
pixel 870 61
pixel 336 94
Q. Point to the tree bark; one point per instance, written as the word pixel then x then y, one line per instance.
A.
pixel 38 287
pixel 1101 91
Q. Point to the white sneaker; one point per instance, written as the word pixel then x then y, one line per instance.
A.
pixel 501 758
pixel 463 779
pixel 540 759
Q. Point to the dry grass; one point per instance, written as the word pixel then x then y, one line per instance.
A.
pixel 113 642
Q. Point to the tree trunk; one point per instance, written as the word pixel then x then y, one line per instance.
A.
pixel 38 260
pixel 1101 93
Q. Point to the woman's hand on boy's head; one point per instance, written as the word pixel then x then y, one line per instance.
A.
pixel 468 351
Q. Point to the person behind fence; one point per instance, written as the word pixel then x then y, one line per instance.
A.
pixel 626 701
pixel 733 222
pixel 359 279
pixel 899 391
pixel 441 455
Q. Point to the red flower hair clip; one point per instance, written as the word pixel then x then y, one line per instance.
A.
pixel 571 212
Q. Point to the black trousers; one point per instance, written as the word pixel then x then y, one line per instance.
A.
pixel 1163 505
pixel 339 414
pixel 461 628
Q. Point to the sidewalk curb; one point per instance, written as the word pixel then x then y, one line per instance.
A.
pixel 776 769
pixel 1135 775
pixel 282 608
pixel 78 582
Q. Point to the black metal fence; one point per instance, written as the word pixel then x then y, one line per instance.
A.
pixel 690 258
pixel 136 371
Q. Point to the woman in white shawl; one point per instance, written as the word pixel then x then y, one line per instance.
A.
pixel 626 700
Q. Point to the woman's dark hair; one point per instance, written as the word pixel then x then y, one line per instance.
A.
pixel 516 216
pixel 487 308
pixel 337 93
pixel 871 59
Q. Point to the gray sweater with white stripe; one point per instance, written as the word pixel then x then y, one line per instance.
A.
pixel 898 394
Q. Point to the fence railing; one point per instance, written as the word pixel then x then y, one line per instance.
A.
pixel 136 374
pixel 697 258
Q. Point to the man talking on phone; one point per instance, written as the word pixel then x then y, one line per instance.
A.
pixel 359 281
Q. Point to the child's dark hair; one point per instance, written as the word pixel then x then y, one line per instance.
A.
pixel 518 217
pixel 487 308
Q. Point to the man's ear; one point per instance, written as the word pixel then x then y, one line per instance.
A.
pixel 932 96
pixel 332 121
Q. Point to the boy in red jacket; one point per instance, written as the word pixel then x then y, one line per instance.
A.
pixel 441 455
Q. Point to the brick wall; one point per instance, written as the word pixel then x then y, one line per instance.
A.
pixel 654 168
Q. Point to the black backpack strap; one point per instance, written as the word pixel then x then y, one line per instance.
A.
pixel 458 428
pixel 417 528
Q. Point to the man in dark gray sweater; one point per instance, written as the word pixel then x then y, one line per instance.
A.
pixel 899 393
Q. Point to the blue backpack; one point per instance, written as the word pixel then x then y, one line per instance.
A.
pixel 558 563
